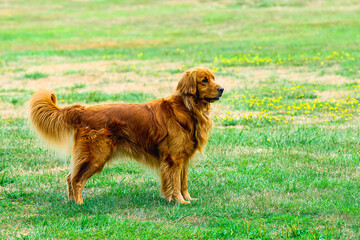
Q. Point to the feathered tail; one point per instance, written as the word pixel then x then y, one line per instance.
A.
pixel 55 125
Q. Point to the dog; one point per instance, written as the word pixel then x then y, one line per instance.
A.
pixel 163 134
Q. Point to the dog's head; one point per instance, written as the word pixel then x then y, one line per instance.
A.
pixel 198 85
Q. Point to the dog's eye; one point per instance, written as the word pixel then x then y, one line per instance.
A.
pixel 205 80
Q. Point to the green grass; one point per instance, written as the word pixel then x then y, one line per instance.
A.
pixel 304 177
pixel 282 161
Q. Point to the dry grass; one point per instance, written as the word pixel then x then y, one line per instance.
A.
pixel 101 76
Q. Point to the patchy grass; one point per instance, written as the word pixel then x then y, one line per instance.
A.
pixel 74 72
pixel 15 96
pixel 35 75
pixel 20 97
pixel 95 97
pixel 282 162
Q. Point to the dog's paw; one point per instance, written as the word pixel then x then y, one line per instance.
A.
pixel 179 199
pixel 182 202
pixel 192 199
pixel 187 197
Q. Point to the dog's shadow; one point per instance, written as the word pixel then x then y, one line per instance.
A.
pixel 108 201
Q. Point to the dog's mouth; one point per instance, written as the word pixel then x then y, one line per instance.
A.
pixel 213 99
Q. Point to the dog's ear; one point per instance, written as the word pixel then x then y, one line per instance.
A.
pixel 187 83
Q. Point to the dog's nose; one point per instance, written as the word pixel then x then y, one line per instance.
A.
pixel 220 89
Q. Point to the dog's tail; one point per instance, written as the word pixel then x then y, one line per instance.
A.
pixel 55 125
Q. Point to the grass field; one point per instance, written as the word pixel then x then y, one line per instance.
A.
pixel 282 161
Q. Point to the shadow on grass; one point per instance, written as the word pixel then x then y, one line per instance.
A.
pixel 53 204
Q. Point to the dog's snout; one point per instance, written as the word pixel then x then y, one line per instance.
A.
pixel 220 89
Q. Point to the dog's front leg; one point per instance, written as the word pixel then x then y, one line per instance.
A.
pixel 184 183
pixel 170 171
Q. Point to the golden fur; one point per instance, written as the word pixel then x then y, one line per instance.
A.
pixel 163 134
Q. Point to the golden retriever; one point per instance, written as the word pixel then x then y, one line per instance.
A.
pixel 163 134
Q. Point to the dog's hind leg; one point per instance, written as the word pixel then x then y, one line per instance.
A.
pixel 92 149
pixel 70 189
pixel 83 172
pixel 170 174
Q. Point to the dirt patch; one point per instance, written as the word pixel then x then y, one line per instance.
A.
pixel 49 82
pixel 96 66
pixel 343 126
pixel 114 76
pixel 97 76
pixel 8 110
pixel 330 79
pixel 148 76
pixel 55 82
pixel 322 5
pixel 326 95
pixel 103 44
pixel 8 12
